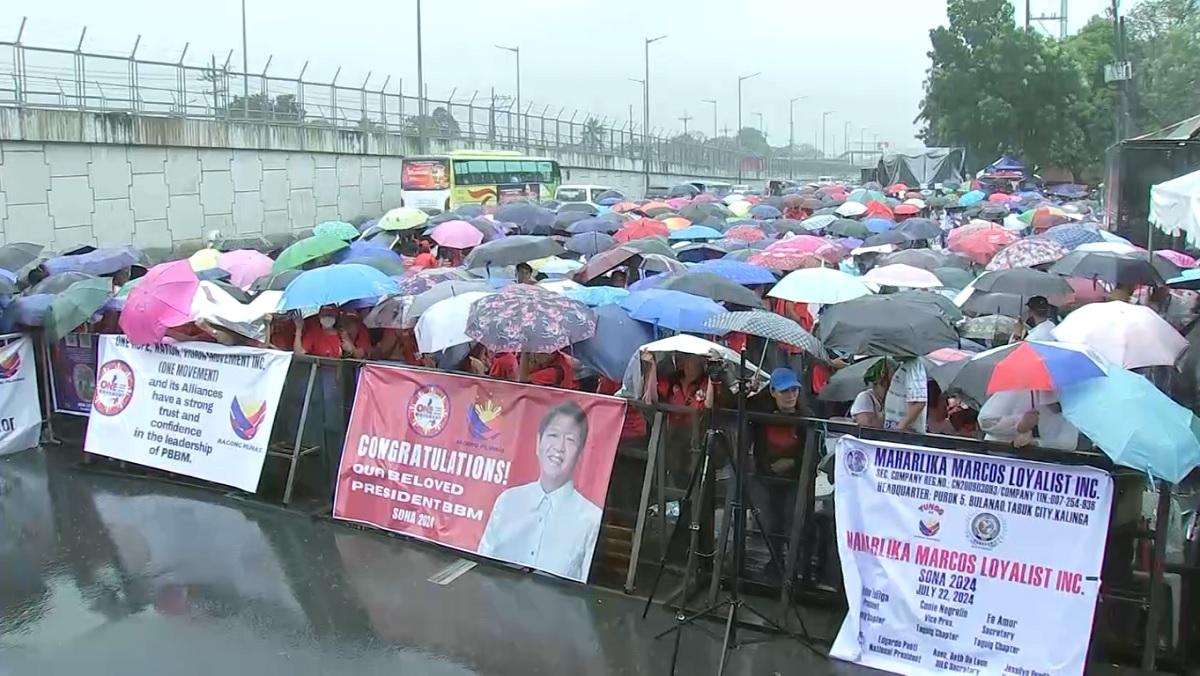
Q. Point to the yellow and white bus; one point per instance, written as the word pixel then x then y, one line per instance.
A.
pixel 443 182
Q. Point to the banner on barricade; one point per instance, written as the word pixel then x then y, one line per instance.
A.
pixel 510 471
pixel 959 563
pixel 73 373
pixel 197 409
pixel 20 410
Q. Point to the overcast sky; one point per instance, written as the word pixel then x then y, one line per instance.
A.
pixel 862 59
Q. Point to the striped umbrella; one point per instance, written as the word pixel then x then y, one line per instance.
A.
pixel 1071 235
pixel 770 326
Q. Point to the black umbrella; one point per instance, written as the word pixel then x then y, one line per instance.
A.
pixel 981 303
pixel 886 325
pixel 511 250
pixel 388 266
pixel 917 258
pixel 1025 282
pixel 651 245
pixel 58 283
pixel 714 286
pixel 845 384
pixel 468 211
pixel 848 227
pixel 920 228
pixel 949 310
pixel 1109 267
pixel 954 278
pixel 590 243
pixel 683 190
pixel 563 220
pixel 972 379
pixel 994 213
pixel 701 251
pixel 551 204
pixel 234 292
pixel 18 254
pixel 591 224
pixel 782 225
pixel 1165 268
pixel 580 207
pixel 889 237
pixel 443 217
pixel 655 212
pixel 539 229
pixel 277 281
pixel 703 211
pixel 525 214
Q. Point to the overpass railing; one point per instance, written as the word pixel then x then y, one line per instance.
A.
pixel 77 80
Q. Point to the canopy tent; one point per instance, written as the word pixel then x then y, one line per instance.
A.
pixel 1175 206
pixel 922 167
pixel 1005 166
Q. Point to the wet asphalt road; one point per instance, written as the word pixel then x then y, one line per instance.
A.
pixel 109 575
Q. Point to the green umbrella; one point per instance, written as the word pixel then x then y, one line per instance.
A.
pixel 651 245
pixel 954 278
pixel 76 305
pixel 123 292
pixel 402 218
pixel 307 249
pixel 336 230
pixel 846 227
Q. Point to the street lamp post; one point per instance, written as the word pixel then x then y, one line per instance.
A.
pixel 792 135
pixel 741 79
pixel 517 52
pixel 824 116
pixel 713 102
pixel 245 68
pixel 845 139
pixel 646 114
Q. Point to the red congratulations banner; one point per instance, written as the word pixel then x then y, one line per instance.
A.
pixel 506 470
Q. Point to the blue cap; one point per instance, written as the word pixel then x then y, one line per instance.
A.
pixel 784 378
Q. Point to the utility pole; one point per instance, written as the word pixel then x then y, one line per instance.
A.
pixel 824 116
pixel 741 79
pixel 685 119
pixel 845 139
pixel 792 136
pixel 646 114
pixel 713 102
pixel 245 68
pixel 520 126
pixel 1120 75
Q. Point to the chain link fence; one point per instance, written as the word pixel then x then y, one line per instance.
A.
pixel 65 79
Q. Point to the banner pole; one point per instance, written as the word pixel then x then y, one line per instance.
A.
pixel 47 407
pixel 643 503
pixel 1157 560
pixel 291 479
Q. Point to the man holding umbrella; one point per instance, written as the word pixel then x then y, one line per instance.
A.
pixel 1038 313
pixel 907 397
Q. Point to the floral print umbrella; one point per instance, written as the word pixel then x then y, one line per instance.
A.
pixel 524 318
pixel 1027 253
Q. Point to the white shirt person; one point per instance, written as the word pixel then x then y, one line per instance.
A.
pixel 547 524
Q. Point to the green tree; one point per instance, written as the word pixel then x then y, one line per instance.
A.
pixel 1091 49
pixel 1163 42
pixel 994 89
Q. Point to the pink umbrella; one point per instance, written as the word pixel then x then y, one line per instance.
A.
pixel 678 202
pixel 244 266
pixel 162 300
pixel 798 244
pixel 981 245
pixel 745 233
pixel 830 252
pixel 785 260
pixel 903 276
pixel 705 197
pixel 1181 259
pixel 999 198
pixel 456 235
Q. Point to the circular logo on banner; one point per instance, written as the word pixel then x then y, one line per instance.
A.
pixel 986 530
pixel 114 388
pixel 856 461
pixel 429 411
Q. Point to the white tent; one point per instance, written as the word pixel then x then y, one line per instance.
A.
pixel 1175 206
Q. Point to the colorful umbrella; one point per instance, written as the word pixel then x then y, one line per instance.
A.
pixel 765 212
pixel 523 318
pixel 1028 365
pixel 972 198
pixel 426 279
pixel 162 300
pixel 674 223
pixel 205 259
pixel 745 233
pixel 307 249
pixel 244 266
pixel 641 228
pixel 403 218
pixel 881 210
pixel 1027 253
pixel 819 285
pixel 336 284
pixel 336 230
pixel 456 235
pixel 1135 424
pixel 1132 336
pixel 907 210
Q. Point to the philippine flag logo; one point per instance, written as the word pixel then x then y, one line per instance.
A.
pixel 247 418
pixel 481 415
pixel 10 365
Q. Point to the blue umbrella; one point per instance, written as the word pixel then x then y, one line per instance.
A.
pixel 765 212
pixel 737 272
pixel 649 281
pixel 878 225
pixel 28 310
pixel 589 243
pixel 366 249
pixel 618 337
pixel 336 284
pixel 700 251
pixel 98 262
pixel 491 229
pixel 971 199
pixel 695 232
pixel 1152 433
pixel 597 296
pixel 674 310
pixel 1071 235
pixel 525 215
pixel 595 224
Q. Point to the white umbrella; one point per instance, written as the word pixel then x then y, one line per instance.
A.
pixel 444 324
pixel 1132 336
pixel 851 209
pixel 820 285
pixel 904 276
pixel 560 285
pixel 1109 247
pixel 214 305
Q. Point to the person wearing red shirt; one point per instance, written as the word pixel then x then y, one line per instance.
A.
pixel 324 338
pixel 634 427
pixel 690 387
pixel 425 259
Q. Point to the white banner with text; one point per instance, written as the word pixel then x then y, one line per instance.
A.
pixel 198 409
pixel 960 563
pixel 20 412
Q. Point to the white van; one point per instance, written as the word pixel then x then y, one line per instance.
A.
pixel 586 194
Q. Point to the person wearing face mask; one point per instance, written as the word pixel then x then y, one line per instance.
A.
pixel 547 523
pixel 323 338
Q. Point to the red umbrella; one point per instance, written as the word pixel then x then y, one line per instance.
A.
pixel 879 209
pixel 982 244
pixel 622 207
pixel 1044 219
pixel 785 261
pixel 999 198
pixel 745 233
pixel 896 188
pixel 970 228
pixel 641 228
pixel 798 244
pixel 907 210
pixel 704 198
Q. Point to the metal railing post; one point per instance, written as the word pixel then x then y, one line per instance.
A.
pixel 300 93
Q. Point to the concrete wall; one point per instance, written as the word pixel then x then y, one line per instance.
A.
pixel 70 178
